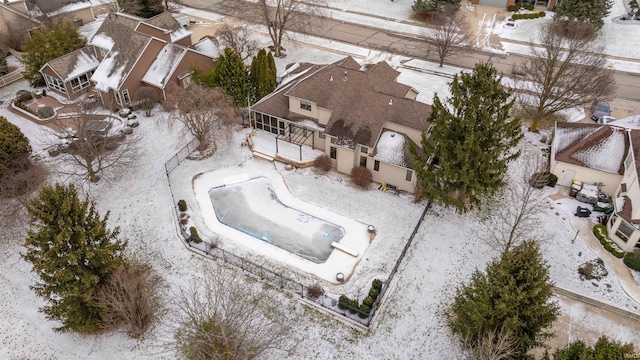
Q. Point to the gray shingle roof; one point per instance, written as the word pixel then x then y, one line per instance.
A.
pixel 164 21
pixel 361 99
pixel 75 63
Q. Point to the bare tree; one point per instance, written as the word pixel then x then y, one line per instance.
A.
pixel 132 297
pixel 238 39
pixel 92 145
pixel 223 317
pixel 127 6
pixel 495 345
pixel 450 36
pixel 513 215
pixel 146 98
pixel 201 110
pixel 566 72
pixel 172 5
pixel 280 16
pixel 17 187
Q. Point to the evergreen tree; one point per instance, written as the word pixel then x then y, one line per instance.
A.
pixel 4 67
pixel 46 44
pixel 14 147
pixel 262 74
pixel 73 253
pixel 604 349
pixel 232 76
pixel 435 7
pixel 472 139
pixel 592 12
pixel 513 297
pixel 274 71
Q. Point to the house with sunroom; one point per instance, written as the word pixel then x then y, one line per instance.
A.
pixel 130 52
pixel 606 155
pixel 357 114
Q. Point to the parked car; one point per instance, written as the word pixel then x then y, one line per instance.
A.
pixel 606 120
pixel 600 109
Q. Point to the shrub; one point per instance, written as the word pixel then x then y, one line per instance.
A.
pixel 344 301
pixel 194 235
pixel 361 177
pixel 45 112
pixel 322 163
pixel 542 14
pixel 374 292
pixel 315 291
pixel 369 300
pixel 132 297
pixel 616 251
pixel 585 270
pixel 182 205
pixel 632 260
pixel 553 180
pixel 607 246
pixel 377 284
pixel 364 311
pixel 600 231
pixel 23 96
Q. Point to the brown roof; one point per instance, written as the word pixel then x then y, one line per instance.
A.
pixel 66 64
pixel 164 21
pixel 627 210
pixel 583 145
pixel 359 108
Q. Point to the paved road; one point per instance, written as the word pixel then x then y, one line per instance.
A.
pixel 628 84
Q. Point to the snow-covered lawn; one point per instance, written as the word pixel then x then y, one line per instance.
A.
pixel 446 250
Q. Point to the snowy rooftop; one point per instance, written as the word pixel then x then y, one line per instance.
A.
pixel 206 47
pixel 163 65
pixel 109 74
pixel 390 148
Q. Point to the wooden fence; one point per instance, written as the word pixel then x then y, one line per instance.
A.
pixel 11 78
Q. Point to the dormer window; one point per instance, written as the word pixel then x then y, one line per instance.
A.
pixel 103 52
pixel 305 105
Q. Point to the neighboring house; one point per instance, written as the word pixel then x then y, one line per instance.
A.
pixel 70 74
pixel 132 52
pixel 549 4
pixel 15 20
pixel 357 114
pixel 603 154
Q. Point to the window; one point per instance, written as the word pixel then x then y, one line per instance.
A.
pixel 376 165
pixel 125 96
pixel 103 52
pixel 409 175
pixel 628 161
pixel 55 83
pixel 334 140
pixel 321 135
pixel 305 105
pixel 625 230
pixel 297 130
pixel 80 82
pixel 364 149
pixel 118 97
pixel 333 153
pixel 187 81
pixel 363 161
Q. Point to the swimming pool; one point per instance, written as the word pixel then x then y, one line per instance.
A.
pixel 252 206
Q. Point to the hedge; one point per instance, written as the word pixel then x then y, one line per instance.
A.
pixel 528 16
pixel 600 231
pixel 632 260
pixel 517 7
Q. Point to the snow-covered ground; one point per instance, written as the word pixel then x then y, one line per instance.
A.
pixel 446 250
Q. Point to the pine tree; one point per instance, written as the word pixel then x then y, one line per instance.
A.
pixel 232 76
pixel 273 76
pixel 74 253
pixel 604 349
pixel 14 147
pixel 435 7
pixel 592 12
pixel 262 74
pixel 46 44
pixel 513 296
pixel 472 139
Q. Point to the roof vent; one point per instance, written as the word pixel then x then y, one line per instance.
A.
pixel 390 101
pixel 345 76
pixel 331 78
pixel 393 134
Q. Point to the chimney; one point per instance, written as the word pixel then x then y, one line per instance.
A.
pixel 345 76
pixel 390 101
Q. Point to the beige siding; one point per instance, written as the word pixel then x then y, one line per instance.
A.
pixel 411 94
pixel 20 6
pixel 626 245
pixel 345 160
pixel 84 15
pixel 324 115
pixel 294 107
pixel 413 134
pixel 392 175
pixel 610 181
